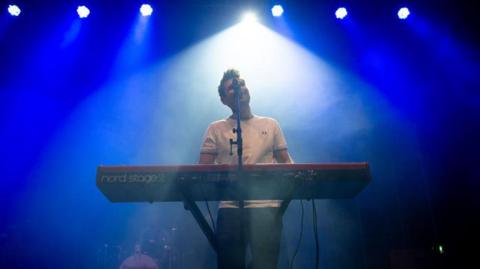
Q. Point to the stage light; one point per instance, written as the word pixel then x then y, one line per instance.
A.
pixel 14 10
pixel 146 10
pixel 277 10
pixel 341 13
pixel 249 17
pixel 403 13
pixel 83 12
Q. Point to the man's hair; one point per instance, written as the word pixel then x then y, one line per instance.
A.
pixel 229 74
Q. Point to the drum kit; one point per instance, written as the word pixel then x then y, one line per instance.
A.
pixel 155 250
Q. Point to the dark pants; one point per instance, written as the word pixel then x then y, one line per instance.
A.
pixel 258 228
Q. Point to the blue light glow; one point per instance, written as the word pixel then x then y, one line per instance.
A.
pixel 146 10
pixel 341 13
pixel 14 10
pixel 277 10
pixel 83 12
pixel 403 13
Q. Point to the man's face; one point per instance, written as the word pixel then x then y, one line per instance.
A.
pixel 229 94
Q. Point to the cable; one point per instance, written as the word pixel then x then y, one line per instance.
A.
pixel 208 208
pixel 300 237
pixel 315 232
pixel 210 214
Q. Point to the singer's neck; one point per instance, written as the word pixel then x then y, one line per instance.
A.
pixel 245 113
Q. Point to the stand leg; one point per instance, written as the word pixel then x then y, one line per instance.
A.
pixel 202 222
pixel 287 200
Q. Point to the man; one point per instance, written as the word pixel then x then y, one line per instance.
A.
pixel 259 226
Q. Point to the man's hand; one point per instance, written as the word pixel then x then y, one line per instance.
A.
pixel 207 158
pixel 282 156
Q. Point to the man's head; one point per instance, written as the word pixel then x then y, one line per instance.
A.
pixel 226 92
pixel 227 75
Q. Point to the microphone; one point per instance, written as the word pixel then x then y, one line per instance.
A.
pixel 236 85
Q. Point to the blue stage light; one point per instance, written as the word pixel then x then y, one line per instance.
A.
pixel 403 13
pixel 146 10
pixel 249 18
pixel 341 13
pixel 277 10
pixel 83 12
pixel 14 10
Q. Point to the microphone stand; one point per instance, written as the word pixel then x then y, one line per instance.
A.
pixel 238 131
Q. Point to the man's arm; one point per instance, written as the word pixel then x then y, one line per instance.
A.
pixel 282 156
pixel 206 158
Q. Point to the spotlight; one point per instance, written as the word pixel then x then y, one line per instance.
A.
pixel 277 10
pixel 146 10
pixel 249 17
pixel 341 13
pixel 14 10
pixel 83 12
pixel 403 13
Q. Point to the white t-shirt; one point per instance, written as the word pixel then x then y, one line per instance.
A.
pixel 261 137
